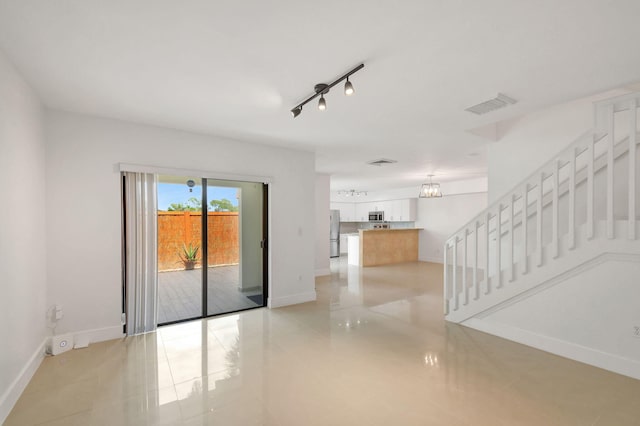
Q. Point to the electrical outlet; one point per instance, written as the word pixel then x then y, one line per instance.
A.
pixel 58 312
pixel 636 331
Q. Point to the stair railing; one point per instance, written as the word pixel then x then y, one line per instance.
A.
pixel 496 245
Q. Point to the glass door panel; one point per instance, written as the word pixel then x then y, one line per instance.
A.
pixel 234 246
pixel 214 272
pixel 179 248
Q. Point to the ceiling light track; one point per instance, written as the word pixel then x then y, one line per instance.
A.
pixel 352 193
pixel 322 89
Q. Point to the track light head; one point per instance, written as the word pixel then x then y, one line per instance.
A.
pixel 322 104
pixel 348 88
pixel 296 111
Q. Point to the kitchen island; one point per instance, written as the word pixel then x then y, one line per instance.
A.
pixel 385 246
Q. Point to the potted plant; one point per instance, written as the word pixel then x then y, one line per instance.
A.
pixel 189 255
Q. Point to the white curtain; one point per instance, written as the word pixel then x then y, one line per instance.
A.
pixel 141 253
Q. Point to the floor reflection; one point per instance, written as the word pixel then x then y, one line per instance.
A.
pixel 373 349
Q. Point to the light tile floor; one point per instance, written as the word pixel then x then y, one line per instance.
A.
pixel 373 350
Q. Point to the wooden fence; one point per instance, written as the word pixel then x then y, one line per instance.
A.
pixel 178 228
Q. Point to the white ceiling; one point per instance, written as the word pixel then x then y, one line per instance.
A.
pixel 235 68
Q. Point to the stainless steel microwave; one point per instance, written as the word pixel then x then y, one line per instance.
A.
pixel 376 216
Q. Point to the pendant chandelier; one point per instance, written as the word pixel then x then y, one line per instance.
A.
pixel 430 190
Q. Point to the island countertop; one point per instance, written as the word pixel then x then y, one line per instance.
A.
pixel 387 246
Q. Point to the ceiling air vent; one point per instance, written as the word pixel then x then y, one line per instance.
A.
pixel 381 162
pixel 498 102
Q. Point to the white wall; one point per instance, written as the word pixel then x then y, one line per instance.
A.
pixel 526 143
pixel 441 217
pixel 83 199
pixel 22 235
pixel 322 224
pixel 583 317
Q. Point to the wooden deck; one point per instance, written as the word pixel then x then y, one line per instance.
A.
pixel 180 293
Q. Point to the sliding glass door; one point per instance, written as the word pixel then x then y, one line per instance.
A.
pixel 179 248
pixel 211 247
pixel 234 246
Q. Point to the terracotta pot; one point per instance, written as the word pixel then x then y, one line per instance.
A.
pixel 189 264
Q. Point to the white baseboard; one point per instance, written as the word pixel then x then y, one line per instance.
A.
pixel 322 272
pixel 294 299
pixel 98 334
pixel 607 361
pixel 11 395
pixel 84 338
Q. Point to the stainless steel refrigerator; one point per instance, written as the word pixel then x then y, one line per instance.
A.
pixel 334 233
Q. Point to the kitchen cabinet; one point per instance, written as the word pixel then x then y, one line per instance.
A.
pixel 394 210
pixel 343 243
pixel 362 212
pixel 347 211
pixel 377 206
pixel 363 209
pixel 401 210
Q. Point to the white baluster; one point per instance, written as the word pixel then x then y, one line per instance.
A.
pixel 590 191
pixel 525 228
pixel 476 285
pixel 499 245
pixel 487 253
pixel 632 171
pixel 555 209
pixel 465 286
pixel 539 221
pixel 454 274
pixel 572 200
pixel 610 144
pixel 511 241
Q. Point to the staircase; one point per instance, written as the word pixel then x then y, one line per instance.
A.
pixel 578 210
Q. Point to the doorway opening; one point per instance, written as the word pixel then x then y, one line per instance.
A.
pixel 211 247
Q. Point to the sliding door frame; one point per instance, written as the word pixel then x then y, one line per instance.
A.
pixel 204 243
pixel 266 226
pixel 266 217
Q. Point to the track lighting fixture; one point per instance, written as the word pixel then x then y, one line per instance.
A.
pixel 322 89
pixel 352 193
pixel 322 104
pixel 348 88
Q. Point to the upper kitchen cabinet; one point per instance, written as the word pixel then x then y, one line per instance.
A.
pixel 400 210
pixel 394 210
pixel 405 210
pixel 347 211
pixel 362 212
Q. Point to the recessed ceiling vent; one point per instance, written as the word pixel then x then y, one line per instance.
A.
pixel 381 162
pixel 498 102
